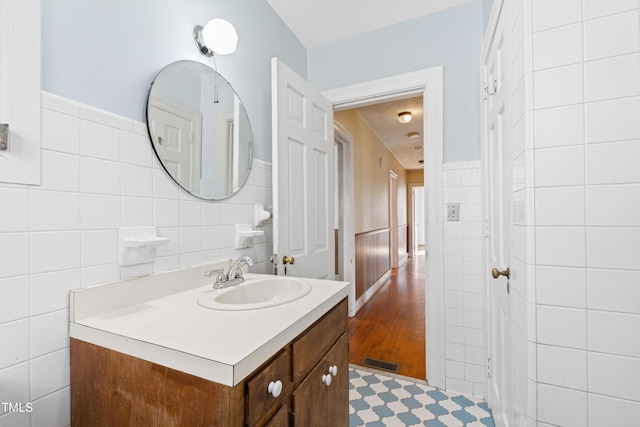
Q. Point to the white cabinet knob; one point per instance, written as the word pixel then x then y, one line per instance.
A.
pixel 326 380
pixel 333 370
pixel 275 388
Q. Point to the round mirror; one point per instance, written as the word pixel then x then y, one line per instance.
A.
pixel 199 130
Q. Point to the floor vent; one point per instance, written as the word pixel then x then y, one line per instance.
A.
pixel 380 364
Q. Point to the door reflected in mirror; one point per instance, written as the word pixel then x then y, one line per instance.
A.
pixel 199 130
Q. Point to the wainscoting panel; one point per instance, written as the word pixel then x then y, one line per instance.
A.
pixel 373 258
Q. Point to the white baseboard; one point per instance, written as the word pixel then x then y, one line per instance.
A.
pixel 360 302
pixel 403 259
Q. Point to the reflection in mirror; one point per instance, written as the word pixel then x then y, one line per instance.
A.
pixel 199 130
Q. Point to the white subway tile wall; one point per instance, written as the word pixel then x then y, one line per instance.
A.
pixel 611 35
pixel 464 299
pixel 99 173
pixel 560 126
pixel 562 406
pixel 605 411
pixel 562 366
pixel 586 71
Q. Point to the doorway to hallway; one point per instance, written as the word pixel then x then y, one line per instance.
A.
pixel 390 327
pixel 429 83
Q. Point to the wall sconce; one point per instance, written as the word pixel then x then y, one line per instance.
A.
pixel 404 117
pixel 217 36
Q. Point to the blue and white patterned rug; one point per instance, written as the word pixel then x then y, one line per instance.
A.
pixel 377 400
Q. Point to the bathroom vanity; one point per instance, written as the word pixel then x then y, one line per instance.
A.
pixel 144 352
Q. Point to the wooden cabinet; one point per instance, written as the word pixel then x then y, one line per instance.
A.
pixel 311 346
pixel 280 419
pixel 322 397
pixel 320 359
pixel 109 388
pixel 268 390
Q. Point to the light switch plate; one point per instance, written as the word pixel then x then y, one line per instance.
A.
pixel 453 212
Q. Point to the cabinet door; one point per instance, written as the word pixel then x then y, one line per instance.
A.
pixel 308 400
pixel 311 346
pixel 321 402
pixel 281 419
pixel 337 404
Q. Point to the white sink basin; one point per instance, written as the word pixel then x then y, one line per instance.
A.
pixel 256 292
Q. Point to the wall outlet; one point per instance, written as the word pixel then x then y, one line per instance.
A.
pixel 453 212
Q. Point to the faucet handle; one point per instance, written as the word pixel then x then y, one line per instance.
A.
pixel 210 273
pixel 220 278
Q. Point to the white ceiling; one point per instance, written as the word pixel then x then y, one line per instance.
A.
pixel 383 121
pixel 316 22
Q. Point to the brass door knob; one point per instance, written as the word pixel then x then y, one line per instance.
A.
pixel 288 260
pixel 497 273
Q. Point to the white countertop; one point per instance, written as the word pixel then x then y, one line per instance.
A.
pixel 174 331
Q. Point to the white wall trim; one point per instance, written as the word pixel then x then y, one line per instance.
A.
pixel 491 29
pixel 369 293
pixel 412 223
pixel 404 258
pixel 344 137
pixel 428 82
pixel 380 90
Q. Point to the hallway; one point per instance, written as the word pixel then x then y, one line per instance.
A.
pixel 391 326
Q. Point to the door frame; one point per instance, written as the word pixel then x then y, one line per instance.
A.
pixel 428 83
pixel 412 234
pixel 345 138
pixel 393 217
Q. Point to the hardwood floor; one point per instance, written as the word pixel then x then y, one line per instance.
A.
pixel 391 326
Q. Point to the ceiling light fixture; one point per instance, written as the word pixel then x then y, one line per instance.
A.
pixel 418 148
pixel 217 36
pixel 413 135
pixel 404 117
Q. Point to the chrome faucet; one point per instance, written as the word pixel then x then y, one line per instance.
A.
pixel 235 271
pixel 233 277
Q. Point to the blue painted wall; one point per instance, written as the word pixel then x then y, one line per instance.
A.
pixel 486 12
pixel 105 53
pixel 451 38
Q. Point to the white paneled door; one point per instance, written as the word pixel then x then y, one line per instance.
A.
pixel 303 215
pixel 178 140
pixel 497 165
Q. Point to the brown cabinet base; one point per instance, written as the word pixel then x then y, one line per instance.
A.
pixel 318 404
pixel 109 388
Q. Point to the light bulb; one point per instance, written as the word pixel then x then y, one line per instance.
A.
pixel 220 36
pixel 404 117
